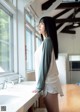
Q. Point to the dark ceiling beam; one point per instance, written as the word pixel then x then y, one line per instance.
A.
pixel 68 31
pixel 69 17
pixel 69 5
pixel 68 20
pixel 61 13
pixel 58 26
pixel 47 4
pixel 72 26
pixel 68 28
pixel 63 23
pixel 65 11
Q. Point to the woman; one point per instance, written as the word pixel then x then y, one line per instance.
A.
pixel 45 64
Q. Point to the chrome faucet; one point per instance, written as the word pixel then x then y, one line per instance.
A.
pixel 7 84
pixel 4 84
pixel 21 79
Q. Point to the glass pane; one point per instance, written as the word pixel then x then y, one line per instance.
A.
pixel 29 50
pixel 11 1
pixel 38 42
pixel 5 42
pixel 30 19
pixel 70 0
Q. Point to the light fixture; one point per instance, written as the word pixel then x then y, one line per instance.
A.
pixel 75 24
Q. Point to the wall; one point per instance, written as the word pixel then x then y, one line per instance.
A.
pixel 63 68
pixel 69 43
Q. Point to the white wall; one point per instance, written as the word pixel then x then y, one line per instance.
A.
pixel 62 65
pixel 69 43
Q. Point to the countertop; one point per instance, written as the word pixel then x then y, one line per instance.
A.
pixel 18 98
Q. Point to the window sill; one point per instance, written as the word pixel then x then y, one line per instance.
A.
pixel 7 74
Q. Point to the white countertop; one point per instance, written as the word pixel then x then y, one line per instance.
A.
pixel 18 98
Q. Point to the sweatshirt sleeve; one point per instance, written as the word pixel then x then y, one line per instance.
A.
pixel 44 63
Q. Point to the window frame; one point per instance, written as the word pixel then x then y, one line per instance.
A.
pixel 11 40
pixel 32 50
pixel 37 37
pixel 32 28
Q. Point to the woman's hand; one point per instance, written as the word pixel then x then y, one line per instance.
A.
pixel 35 91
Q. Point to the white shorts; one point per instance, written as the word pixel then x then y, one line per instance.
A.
pixel 53 88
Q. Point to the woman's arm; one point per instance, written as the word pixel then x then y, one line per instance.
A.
pixel 45 63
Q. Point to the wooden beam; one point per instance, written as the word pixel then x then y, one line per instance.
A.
pixel 62 24
pixel 69 5
pixel 61 28
pixel 72 26
pixel 47 4
pixel 68 26
pixel 50 9
pixel 69 17
pixel 68 31
pixel 57 27
pixel 68 20
pixel 61 13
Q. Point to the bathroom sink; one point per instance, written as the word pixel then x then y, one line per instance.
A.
pixel 6 99
pixel 18 98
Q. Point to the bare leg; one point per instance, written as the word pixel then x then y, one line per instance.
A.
pixel 51 102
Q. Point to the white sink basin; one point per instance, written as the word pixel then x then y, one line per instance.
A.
pixel 6 99
pixel 18 98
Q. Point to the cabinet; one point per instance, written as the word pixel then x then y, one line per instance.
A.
pixel 74 77
pixel 74 63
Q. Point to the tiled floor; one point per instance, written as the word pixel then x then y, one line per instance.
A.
pixel 41 110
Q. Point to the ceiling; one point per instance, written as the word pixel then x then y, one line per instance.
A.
pixel 66 13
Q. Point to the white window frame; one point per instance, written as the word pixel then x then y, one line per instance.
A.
pixel 37 37
pixel 27 28
pixel 11 33
pixel 32 28
pixel 11 10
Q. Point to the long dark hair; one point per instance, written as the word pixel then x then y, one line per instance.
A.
pixel 51 31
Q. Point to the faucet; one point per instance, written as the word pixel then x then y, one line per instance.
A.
pixel 21 79
pixel 7 84
pixel 4 84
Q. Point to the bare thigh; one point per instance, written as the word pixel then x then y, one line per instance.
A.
pixel 51 102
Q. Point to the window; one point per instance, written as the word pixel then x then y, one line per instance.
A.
pixel 11 1
pixel 6 48
pixel 29 49
pixel 74 62
pixel 71 1
pixel 30 19
pixel 30 29
pixel 31 41
pixel 38 42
